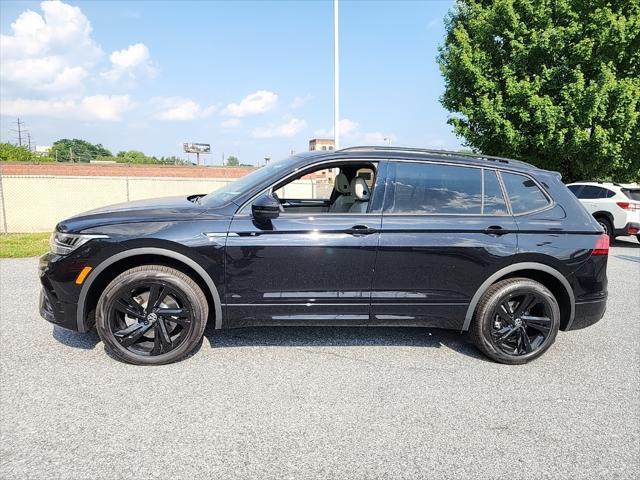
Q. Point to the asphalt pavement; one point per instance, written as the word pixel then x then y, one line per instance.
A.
pixel 335 403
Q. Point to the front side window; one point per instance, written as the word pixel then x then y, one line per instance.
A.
pixel 524 194
pixel 317 185
pixel 425 188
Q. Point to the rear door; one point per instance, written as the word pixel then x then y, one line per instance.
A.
pixel 445 229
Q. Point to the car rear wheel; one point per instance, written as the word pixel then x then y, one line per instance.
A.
pixel 151 315
pixel 606 225
pixel 516 321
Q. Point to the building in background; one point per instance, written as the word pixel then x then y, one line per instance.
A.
pixel 321 144
pixel 42 150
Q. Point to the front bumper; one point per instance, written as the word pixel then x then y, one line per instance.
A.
pixel 54 295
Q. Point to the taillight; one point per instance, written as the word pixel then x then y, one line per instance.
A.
pixel 602 245
pixel 629 206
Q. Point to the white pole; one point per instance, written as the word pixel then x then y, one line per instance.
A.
pixel 336 78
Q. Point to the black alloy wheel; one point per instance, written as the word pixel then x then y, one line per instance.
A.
pixel 151 315
pixel 150 318
pixel 517 320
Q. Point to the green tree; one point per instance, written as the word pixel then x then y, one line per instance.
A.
pixel 552 82
pixel 77 150
pixel 233 161
pixel 13 153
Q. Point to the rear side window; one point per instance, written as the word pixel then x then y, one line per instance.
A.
pixel 592 192
pixel 494 203
pixel 425 188
pixel 632 193
pixel 524 194
pixel 575 189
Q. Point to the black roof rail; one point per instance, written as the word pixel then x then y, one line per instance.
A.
pixel 434 151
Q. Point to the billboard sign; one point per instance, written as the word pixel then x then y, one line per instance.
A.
pixel 197 147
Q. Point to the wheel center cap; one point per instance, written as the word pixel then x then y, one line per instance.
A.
pixel 517 322
pixel 152 317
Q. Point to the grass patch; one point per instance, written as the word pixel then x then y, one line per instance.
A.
pixel 17 245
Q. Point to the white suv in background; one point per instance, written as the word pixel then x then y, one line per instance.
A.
pixel 615 206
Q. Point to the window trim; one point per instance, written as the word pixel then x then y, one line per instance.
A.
pixel 452 164
pixel 549 206
pixel 309 169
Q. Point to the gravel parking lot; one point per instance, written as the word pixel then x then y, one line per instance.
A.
pixel 321 402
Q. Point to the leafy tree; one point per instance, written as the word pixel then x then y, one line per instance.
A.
pixel 13 153
pixel 553 82
pixel 77 150
pixel 233 161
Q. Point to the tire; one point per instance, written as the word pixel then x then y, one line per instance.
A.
pixel 606 224
pixel 501 336
pixel 638 237
pixel 151 315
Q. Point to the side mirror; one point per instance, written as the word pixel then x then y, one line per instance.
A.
pixel 265 208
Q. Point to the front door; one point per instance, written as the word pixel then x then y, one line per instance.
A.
pixel 309 265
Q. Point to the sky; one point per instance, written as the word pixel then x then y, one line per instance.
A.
pixel 253 79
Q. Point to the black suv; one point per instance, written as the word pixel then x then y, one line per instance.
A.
pixel 359 236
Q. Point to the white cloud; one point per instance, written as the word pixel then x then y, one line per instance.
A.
pixel 95 107
pixel 131 63
pixel 347 127
pixel 350 131
pixel 48 52
pixel 299 102
pixel 259 102
pixel 180 109
pixel 230 123
pixel 287 129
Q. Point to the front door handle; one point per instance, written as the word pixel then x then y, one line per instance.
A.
pixel 495 230
pixel 360 230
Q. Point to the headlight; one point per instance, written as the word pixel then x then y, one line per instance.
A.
pixel 65 243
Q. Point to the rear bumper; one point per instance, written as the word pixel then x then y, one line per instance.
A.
pixel 588 313
pixel 631 228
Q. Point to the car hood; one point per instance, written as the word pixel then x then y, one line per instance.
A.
pixel 150 210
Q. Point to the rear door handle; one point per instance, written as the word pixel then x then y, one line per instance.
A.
pixel 495 230
pixel 360 230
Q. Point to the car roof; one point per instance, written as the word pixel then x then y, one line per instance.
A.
pixel 608 184
pixel 418 154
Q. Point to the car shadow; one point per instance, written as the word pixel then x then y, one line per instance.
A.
pixel 627 242
pixel 341 337
pixel 306 337
pixel 84 341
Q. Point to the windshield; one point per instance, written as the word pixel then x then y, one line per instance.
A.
pixel 632 193
pixel 233 189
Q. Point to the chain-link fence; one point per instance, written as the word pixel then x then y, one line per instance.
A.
pixel 33 198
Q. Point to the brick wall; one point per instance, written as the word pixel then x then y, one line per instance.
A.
pixel 122 170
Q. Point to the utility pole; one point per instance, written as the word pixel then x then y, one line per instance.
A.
pixel 19 131
pixel 336 78
pixel 29 139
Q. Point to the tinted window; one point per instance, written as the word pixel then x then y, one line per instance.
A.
pixel 430 188
pixel 633 194
pixel 523 192
pixel 494 203
pixel 591 191
pixel 575 189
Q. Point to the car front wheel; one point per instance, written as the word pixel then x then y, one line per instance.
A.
pixel 516 321
pixel 151 315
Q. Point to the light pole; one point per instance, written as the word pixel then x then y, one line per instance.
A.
pixel 336 78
